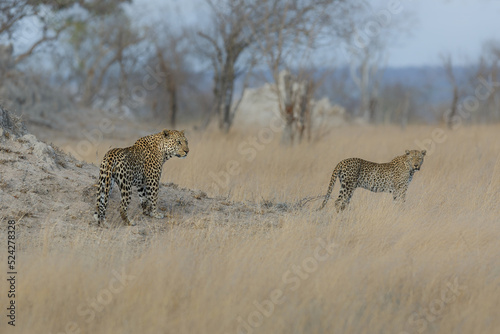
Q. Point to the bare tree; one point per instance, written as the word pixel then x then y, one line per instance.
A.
pixel 366 75
pixel 487 76
pixel 296 92
pixel 103 49
pixel 226 45
pixel 40 22
pixel 171 50
pixel 16 12
pixel 33 28
pixel 304 122
pixel 285 91
pixel 243 32
pixel 291 36
pixel 170 84
pixel 364 46
pixel 450 75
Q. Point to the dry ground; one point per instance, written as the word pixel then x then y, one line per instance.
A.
pixel 251 256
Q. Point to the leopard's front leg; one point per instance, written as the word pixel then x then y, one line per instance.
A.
pixel 145 204
pixel 152 187
pixel 400 192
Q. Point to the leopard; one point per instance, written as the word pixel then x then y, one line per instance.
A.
pixel 139 165
pixel 392 177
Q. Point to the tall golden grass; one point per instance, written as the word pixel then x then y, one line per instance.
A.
pixel 431 265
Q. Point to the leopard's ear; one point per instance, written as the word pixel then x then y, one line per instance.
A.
pixel 407 152
pixel 182 132
pixel 423 152
pixel 166 133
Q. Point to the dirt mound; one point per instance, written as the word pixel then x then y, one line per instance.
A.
pixel 38 182
pixel 41 187
pixel 10 124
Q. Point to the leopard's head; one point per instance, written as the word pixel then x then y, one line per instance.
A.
pixel 415 158
pixel 175 143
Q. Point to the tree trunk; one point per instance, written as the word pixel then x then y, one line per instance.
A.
pixel 372 109
pixel 91 87
pixel 289 104
pixel 288 135
pixel 171 88
pixel 173 105
pixel 453 109
pixel 365 94
pixel 304 121
pixel 226 97
pixel 122 86
pixel 405 112
pixel 216 103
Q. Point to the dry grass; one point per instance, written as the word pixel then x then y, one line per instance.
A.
pixel 430 266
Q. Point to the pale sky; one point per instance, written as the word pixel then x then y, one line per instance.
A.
pixel 457 27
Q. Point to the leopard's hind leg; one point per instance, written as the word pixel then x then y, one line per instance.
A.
pixel 104 187
pixel 330 186
pixel 348 183
pixel 125 184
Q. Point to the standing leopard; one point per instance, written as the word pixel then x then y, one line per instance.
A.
pixel 393 177
pixel 139 165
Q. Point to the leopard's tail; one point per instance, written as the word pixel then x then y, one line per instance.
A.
pixel 330 186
